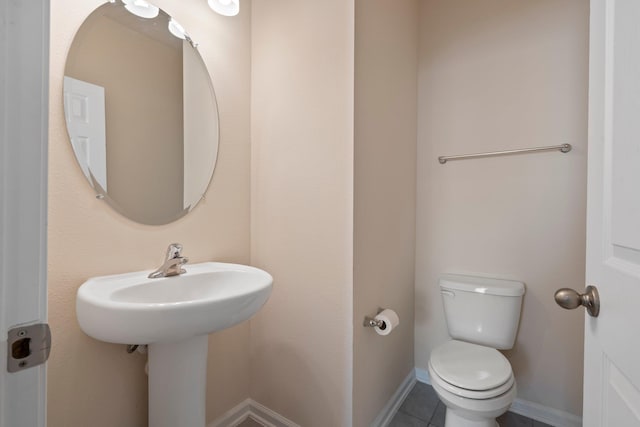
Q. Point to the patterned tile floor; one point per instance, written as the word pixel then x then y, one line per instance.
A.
pixel 422 408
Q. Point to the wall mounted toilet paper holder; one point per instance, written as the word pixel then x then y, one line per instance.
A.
pixel 372 322
pixel 384 322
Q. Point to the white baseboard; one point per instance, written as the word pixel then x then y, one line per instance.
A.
pixel 251 408
pixel 422 376
pixel 545 414
pixel 233 416
pixel 389 411
pixel 267 417
pixel 535 411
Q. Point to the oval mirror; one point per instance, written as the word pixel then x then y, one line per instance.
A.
pixel 141 112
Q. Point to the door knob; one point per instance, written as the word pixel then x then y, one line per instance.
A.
pixel 570 299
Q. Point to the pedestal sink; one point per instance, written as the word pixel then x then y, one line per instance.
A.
pixel 173 316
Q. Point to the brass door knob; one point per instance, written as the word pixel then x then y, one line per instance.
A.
pixel 570 299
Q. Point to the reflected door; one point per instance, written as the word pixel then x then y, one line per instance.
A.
pixel 85 115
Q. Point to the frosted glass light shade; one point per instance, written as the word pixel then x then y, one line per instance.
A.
pixel 177 30
pixel 225 7
pixel 141 8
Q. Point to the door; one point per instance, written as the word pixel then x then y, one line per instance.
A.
pixel 84 110
pixel 612 340
pixel 24 87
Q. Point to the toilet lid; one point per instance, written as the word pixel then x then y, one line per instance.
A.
pixel 470 366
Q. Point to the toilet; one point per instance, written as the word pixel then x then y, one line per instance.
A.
pixel 471 377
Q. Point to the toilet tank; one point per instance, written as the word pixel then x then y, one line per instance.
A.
pixel 481 310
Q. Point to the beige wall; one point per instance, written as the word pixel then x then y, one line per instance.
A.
pixel 386 48
pixel 96 384
pixel 302 208
pixel 494 75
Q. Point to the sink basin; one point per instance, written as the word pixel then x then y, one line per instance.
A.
pixel 133 309
pixel 173 315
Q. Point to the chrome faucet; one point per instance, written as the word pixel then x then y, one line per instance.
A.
pixel 172 264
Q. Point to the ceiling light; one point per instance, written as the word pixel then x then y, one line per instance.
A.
pixel 141 8
pixel 225 7
pixel 177 29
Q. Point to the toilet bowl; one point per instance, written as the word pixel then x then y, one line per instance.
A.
pixel 468 373
pixel 475 384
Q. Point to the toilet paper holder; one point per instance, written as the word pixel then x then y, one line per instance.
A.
pixel 370 322
pixel 384 322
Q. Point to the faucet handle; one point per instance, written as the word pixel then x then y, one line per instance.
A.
pixel 174 251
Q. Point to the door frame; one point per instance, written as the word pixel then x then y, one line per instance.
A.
pixel 24 106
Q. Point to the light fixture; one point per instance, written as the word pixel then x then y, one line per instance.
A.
pixel 177 30
pixel 141 8
pixel 225 7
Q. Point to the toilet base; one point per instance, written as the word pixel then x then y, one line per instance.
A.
pixel 453 419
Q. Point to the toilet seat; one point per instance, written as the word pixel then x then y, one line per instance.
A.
pixel 471 394
pixel 470 370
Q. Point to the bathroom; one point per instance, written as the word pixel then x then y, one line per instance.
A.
pixel 332 117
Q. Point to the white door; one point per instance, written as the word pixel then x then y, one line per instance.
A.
pixel 24 87
pixel 84 111
pixel 612 340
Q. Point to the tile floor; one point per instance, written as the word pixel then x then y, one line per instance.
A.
pixel 422 408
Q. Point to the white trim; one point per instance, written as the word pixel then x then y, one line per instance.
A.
pixel 391 408
pixel 269 418
pixel 233 416
pixel 553 417
pixel 545 414
pixel 24 100
pixel 251 408
pixel 422 376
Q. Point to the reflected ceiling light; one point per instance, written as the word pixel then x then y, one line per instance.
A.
pixel 177 30
pixel 225 7
pixel 141 8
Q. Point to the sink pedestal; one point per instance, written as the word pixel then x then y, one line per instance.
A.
pixel 174 317
pixel 178 382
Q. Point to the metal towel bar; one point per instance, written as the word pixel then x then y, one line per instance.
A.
pixel 564 148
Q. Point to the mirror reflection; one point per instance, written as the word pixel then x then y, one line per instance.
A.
pixel 140 112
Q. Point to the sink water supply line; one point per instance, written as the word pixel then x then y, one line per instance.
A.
pixel 133 347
